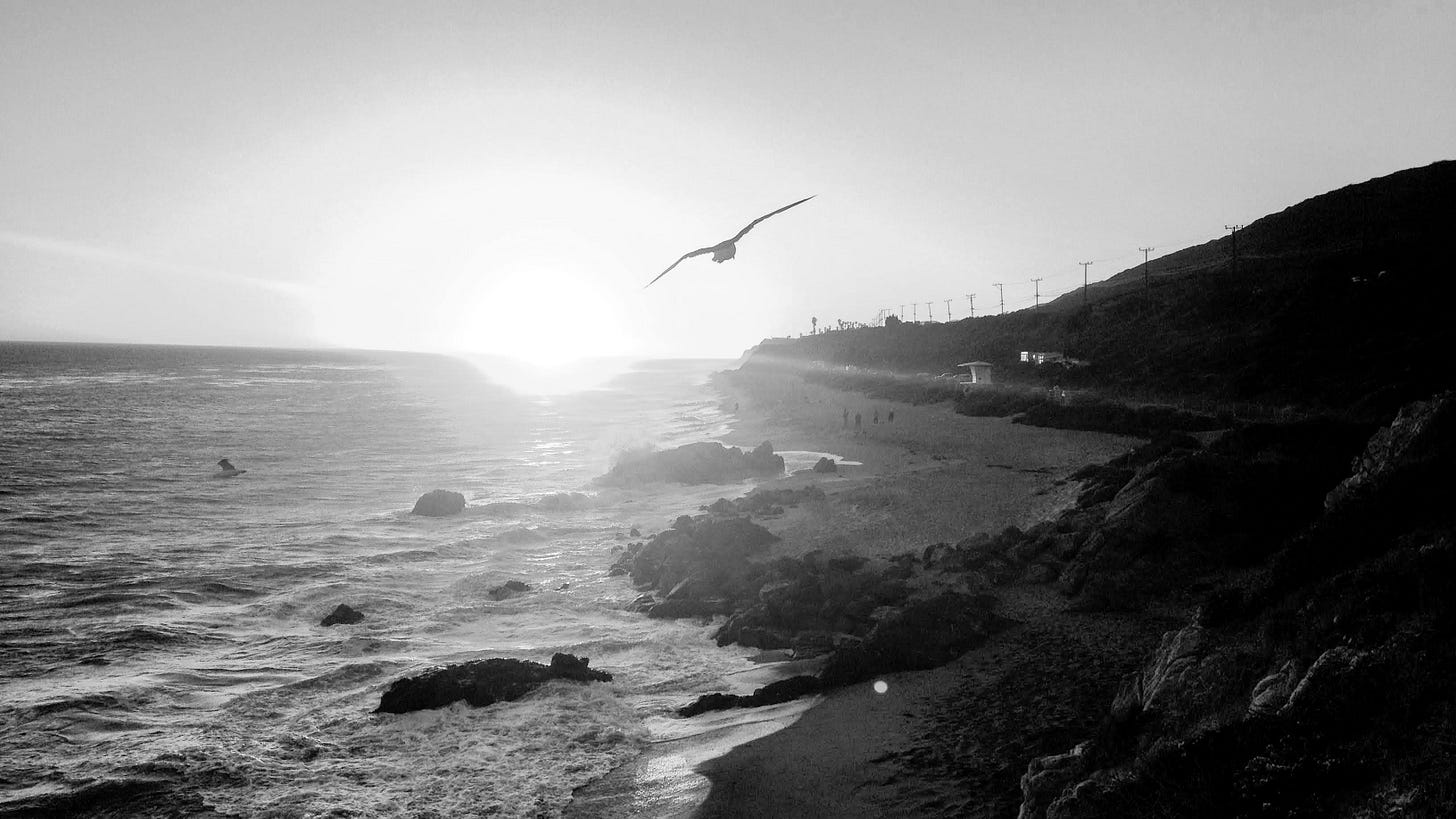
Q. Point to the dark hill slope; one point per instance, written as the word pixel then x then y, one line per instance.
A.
pixel 1337 303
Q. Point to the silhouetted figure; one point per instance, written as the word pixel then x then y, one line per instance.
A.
pixel 891 419
pixel 846 417
pixel 727 249
pixel 877 417
pixel 858 423
pixel 228 470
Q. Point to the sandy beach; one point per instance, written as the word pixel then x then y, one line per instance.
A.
pixel 952 741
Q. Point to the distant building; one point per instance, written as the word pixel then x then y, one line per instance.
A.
pixel 977 372
pixel 1031 357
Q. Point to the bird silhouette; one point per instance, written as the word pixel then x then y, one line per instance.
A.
pixel 726 249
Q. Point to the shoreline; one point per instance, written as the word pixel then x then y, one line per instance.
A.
pixel 931 476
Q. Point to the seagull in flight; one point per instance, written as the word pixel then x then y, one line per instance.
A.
pixel 727 249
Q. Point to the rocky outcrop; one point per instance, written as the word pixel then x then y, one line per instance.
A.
pixel 771 694
pixel 707 558
pixel 342 614
pixel 826 466
pixel 924 634
pixel 695 463
pixel 1314 687
pixel 1419 430
pixel 1047 777
pixel 805 602
pixel 439 503
pixel 482 682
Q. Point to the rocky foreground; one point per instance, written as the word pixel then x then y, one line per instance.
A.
pixel 1309 675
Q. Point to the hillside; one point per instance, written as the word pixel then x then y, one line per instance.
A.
pixel 1334 305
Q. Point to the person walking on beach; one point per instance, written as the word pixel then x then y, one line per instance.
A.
pixel 877 416
pixel 891 419
pixel 858 423
pixel 846 417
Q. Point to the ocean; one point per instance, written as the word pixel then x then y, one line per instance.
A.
pixel 160 645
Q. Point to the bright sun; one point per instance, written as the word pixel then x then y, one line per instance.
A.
pixel 546 316
pixel 521 266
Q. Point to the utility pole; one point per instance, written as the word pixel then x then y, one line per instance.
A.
pixel 1037 284
pixel 972 297
pixel 1234 235
pixel 1002 288
pixel 1084 265
pixel 929 313
pixel 914 311
pixel 947 311
pixel 1147 282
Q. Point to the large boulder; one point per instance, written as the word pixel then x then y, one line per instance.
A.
pixel 482 682
pixel 342 614
pixel 924 634
pixel 439 503
pixel 695 463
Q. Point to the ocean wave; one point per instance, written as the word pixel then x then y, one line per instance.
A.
pixel 402 556
pixel 114 599
pixel 515 759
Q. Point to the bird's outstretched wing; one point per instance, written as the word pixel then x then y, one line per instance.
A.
pixel 766 215
pixel 700 251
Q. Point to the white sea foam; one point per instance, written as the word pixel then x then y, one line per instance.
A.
pixel 161 636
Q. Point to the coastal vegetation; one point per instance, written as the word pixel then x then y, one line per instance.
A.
pixel 1331 305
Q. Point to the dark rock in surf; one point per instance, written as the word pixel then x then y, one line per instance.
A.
pixel 510 588
pixel 341 614
pixel 771 694
pixel 482 682
pixel 438 503
pixel 826 465
pixel 695 463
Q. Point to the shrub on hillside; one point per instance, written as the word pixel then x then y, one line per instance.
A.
pixel 997 402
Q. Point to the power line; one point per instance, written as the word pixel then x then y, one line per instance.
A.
pixel 1084 265
pixel 1001 287
pixel 1147 283
pixel 1234 236
pixel 1036 305
pixel 972 298
pixel 947 310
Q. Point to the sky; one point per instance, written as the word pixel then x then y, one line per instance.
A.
pixel 503 178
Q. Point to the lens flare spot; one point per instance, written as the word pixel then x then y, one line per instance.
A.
pixel 881 686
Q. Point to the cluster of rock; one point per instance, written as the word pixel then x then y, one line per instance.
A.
pixel 693 464
pixel 866 614
pixel 482 682
pixel 1319 684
